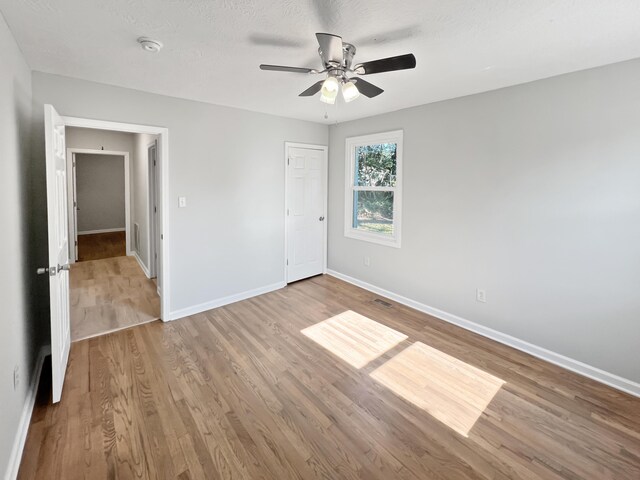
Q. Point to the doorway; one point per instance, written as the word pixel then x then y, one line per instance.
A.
pixel 159 138
pixel 111 281
pixel 99 204
pixel 305 211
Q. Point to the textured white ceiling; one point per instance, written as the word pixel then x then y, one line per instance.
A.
pixel 213 47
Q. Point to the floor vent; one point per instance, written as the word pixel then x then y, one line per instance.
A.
pixel 382 302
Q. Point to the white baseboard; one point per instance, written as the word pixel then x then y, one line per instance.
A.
pixel 104 230
pixel 25 417
pixel 144 268
pixel 576 366
pixel 203 307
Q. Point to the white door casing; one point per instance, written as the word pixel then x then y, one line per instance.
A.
pixel 164 264
pixel 56 172
pixel 305 211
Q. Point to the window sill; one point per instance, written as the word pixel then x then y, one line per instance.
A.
pixel 373 238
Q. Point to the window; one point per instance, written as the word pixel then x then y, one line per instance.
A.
pixel 373 190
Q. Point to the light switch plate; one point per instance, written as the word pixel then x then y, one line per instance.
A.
pixel 182 202
pixel 481 295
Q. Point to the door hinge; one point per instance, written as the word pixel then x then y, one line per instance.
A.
pixel 155 210
pixel 75 204
pixel 288 160
pixel 154 163
pixel 287 261
pixel 76 242
pixel 287 212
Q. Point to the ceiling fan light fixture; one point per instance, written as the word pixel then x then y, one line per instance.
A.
pixel 350 92
pixel 327 99
pixel 330 87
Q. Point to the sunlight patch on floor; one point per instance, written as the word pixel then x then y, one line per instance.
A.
pixel 449 389
pixel 354 338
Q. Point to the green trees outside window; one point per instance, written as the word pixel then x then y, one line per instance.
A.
pixel 375 166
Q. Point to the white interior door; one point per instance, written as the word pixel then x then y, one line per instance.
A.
pixel 58 246
pixel 305 212
pixel 154 213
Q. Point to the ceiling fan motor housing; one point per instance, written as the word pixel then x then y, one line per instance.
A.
pixel 349 52
pixel 340 70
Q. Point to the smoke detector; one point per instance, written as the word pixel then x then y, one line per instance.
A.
pixel 149 44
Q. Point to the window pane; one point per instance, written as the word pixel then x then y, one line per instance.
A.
pixel 373 212
pixel 376 165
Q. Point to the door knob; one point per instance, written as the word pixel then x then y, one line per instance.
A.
pixel 50 270
pixel 321 219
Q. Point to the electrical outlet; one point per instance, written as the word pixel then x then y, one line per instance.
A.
pixel 481 295
pixel 367 262
pixel 16 377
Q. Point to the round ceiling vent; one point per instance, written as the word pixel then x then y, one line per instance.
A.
pixel 149 44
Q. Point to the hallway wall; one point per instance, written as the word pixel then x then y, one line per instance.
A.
pixel 100 193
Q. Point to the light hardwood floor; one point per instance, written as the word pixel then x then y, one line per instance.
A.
pixel 96 246
pixel 108 295
pixel 318 380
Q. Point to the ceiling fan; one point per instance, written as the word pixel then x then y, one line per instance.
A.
pixel 337 58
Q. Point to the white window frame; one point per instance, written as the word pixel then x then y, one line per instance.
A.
pixel 352 143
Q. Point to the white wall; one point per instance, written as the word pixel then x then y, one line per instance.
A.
pixel 229 163
pixel 530 192
pixel 100 192
pixel 19 285
pixel 140 192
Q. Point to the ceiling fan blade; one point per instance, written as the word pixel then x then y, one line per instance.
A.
pixel 282 68
pixel 366 88
pixel 401 62
pixel 331 47
pixel 312 90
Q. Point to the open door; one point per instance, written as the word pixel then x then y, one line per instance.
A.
pixel 58 269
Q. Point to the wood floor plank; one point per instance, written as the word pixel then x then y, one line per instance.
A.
pixel 242 392
pixel 96 246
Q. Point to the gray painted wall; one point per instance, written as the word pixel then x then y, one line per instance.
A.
pixel 93 139
pixel 100 192
pixel 229 163
pixel 21 251
pixel 530 192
